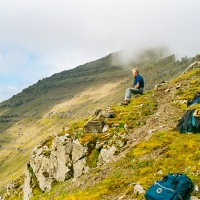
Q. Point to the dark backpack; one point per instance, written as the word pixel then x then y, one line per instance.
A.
pixel 189 123
pixel 171 187
pixel 195 99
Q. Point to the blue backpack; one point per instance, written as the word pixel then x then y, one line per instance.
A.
pixel 195 99
pixel 189 123
pixel 171 187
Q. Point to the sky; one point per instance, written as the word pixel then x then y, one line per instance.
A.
pixel 41 37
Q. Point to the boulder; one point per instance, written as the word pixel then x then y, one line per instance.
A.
pixel 105 128
pixel 106 154
pixel 55 164
pixel 79 153
pixel 94 126
pixel 107 114
pixel 79 167
pixel 138 189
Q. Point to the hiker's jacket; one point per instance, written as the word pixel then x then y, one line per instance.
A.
pixel 138 79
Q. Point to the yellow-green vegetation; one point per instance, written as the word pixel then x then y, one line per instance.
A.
pixel 164 152
pixel 134 114
pixel 190 84
pixel 64 98
pixel 92 159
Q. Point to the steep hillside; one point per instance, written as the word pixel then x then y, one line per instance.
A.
pixel 59 101
pixel 153 149
pixel 139 145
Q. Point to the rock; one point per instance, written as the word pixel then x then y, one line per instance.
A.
pixel 160 85
pixel 28 193
pixel 14 187
pixel 178 86
pixel 106 155
pixel 160 172
pixel 150 131
pixel 167 90
pixel 125 127
pixel 115 125
pixel 60 158
pixel 79 167
pixel 78 157
pixel 121 143
pixel 105 128
pixel 100 145
pixel 78 151
pixel 97 111
pixel 49 165
pixel 195 64
pixel 109 114
pixel 138 189
pixel 94 126
pixel 123 197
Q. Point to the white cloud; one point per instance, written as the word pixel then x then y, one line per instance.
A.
pixel 41 37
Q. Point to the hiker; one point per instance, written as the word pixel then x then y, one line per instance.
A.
pixel 137 88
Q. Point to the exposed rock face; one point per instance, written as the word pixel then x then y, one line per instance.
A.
pixel 106 154
pixel 28 193
pixel 78 157
pixel 49 165
pixel 195 64
pixel 59 158
pixel 94 126
pixel 15 187
pixel 64 160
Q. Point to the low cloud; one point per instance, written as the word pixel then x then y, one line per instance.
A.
pixel 39 38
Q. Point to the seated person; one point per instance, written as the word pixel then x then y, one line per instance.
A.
pixel 137 88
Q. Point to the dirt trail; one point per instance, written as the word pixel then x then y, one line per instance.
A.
pixel 162 119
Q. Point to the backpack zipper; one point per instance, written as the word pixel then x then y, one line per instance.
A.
pixel 156 183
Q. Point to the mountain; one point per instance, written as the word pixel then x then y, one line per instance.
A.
pixel 58 102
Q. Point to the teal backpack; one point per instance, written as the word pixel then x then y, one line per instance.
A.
pixel 189 123
pixel 171 187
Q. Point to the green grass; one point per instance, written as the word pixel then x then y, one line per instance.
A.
pixel 139 165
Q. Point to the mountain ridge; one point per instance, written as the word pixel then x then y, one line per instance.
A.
pixel 151 139
pixel 38 125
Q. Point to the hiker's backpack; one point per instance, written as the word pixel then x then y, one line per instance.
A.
pixel 195 99
pixel 189 123
pixel 171 187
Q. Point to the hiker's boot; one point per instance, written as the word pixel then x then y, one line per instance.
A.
pixel 125 102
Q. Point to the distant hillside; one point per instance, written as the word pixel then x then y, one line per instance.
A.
pixel 60 100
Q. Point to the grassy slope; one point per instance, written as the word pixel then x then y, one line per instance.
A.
pixel 144 162
pixel 58 101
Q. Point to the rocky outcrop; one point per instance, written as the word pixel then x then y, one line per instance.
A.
pixel 48 165
pixel 107 154
pixel 28 192
pixel 98 123
pixel 62 157
pixel 195 64
pixel 15 187
pixel 52 164
pixel 94 126
pixel 78 158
